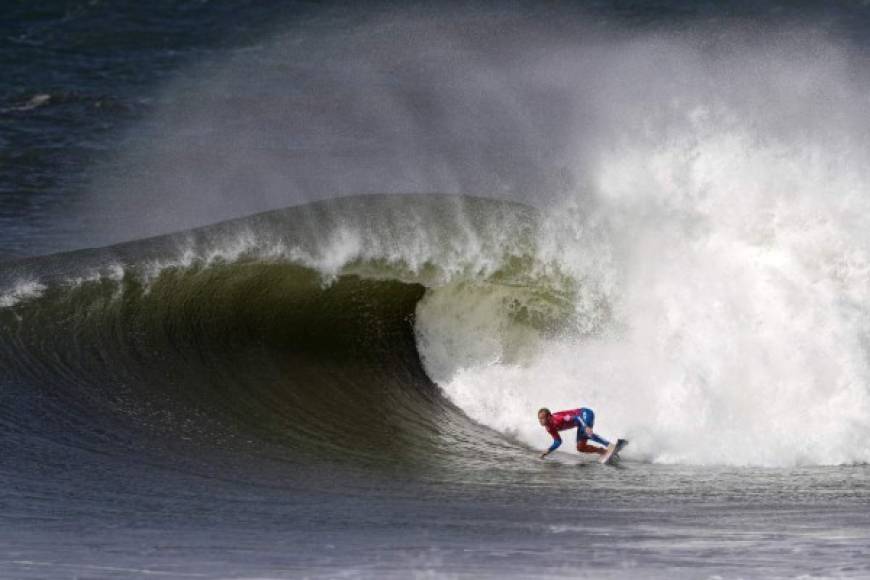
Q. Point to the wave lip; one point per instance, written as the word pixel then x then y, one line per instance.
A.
pixel 20 291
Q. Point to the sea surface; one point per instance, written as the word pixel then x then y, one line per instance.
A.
pixel 284 284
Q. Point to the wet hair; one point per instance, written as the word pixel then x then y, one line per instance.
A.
pixel 544 410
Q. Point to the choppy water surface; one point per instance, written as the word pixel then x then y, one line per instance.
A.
pixel 548 521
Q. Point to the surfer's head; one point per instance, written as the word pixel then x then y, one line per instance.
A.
pixel 544 416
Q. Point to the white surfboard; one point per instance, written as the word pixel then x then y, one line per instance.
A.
pixel 612 453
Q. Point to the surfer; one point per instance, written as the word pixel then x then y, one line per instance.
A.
pixel 583 419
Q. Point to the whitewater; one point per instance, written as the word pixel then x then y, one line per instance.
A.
pixel 714 321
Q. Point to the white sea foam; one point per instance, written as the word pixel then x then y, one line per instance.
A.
pixel 726 236
pixel 21 291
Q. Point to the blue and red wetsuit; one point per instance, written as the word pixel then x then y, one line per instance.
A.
pixel 579 418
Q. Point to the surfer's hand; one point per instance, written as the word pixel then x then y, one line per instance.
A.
pixel 588 431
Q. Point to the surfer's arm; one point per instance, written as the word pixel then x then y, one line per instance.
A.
pixel 557 440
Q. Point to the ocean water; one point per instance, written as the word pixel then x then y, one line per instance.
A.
pixel 282 287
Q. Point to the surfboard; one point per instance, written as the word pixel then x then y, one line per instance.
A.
pixel 612 453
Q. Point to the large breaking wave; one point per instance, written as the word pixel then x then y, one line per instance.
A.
pixel 375 326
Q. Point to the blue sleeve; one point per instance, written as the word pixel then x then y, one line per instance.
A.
pixel 556 442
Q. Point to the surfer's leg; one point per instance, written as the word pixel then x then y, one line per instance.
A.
pixel 584 447
pixel 600 440
pixel 583 442
pixel 588 417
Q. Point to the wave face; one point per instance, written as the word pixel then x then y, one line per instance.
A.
pixel 375 327
pixel 289 333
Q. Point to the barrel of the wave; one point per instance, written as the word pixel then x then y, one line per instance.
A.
pixel 211 337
